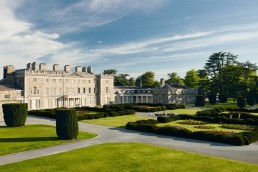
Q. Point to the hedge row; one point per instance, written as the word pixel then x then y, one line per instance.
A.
pixel 217 119
pixel 210 112
pixel 50 113
pixel 105 114
pixel 239 139
pixel 164 119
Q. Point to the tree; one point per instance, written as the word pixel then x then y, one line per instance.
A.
pixel 110 71
pixel 147 80
pixel 191 79
pixel 214 69
pixel 174 78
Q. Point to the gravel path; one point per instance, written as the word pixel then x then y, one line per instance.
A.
pixel 111 134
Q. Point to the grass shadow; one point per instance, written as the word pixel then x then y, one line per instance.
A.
pixel 28 139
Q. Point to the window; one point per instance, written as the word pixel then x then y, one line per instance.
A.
pixel 35 90
pixel 35 80
pixel 89 81
pixel 84 90
pixel 79 90
pixel 54 80
pixel 60 81
pixel 107 90
pixel 72 81
pixel 89 90
pixel 7 96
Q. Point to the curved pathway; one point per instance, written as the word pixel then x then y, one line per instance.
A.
pixel 111 134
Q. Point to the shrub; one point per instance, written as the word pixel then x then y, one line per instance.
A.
pixel 113 113
pixel 66 124
pixel 200 101
pixel 250 100
pixel 173 131
pixel 15 114
pixel 240 102
pixel 223 98
pixel 164 119
pixel 238 127
pixel 212 99
pixel 203 127
pixel 192 122
pixel 235 140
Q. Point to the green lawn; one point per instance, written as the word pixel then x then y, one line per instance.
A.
pixel 123 157
pixel 118 121
pixel 17 139
pixel 185 111
pixel 192 128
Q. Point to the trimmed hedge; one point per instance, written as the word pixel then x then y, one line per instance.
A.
pixel 223 98
pixel 238 139
pixel 66 124
pixel 212 99
pixel 15 114
pixel 250 100
pixel 164 119
pixel 200 100
pixel 241 102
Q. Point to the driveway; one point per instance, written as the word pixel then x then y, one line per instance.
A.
pixel 110 134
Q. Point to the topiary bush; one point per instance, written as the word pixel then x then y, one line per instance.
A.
pixel 200 100
pixel 66 124
pixel 241 102
pixel 212 99
pixel 164 119
pixel 250 100
pixel 15 114
pixel 223 98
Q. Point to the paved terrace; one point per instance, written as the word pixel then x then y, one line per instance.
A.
pixel 110 134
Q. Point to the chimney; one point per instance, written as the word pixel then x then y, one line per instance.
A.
pixel 67 68
pixel 90 69
pixel 8 70
pixel 35 66
pixel 162 82
pixel 42 66
pixel 56 67
pixel 29 66
pixel 84 69
pixel 78 69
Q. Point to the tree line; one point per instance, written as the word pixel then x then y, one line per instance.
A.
pixel 222 74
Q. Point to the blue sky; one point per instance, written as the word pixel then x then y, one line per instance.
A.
pixel 131 36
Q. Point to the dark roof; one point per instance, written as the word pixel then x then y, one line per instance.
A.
pixel 132 87
pixel 8 88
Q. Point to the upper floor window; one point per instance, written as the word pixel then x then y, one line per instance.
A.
pixel 60 81
pixel 89 81
pixel 47 80
pixel 7 96
pixel 79 90
pixel 107 90
pixel 35 79
pixel 54 80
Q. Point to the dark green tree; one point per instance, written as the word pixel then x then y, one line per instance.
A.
pixel 15 114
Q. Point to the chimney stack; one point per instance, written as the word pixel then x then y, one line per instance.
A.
pixel 42 66
pixel 35 66
pixel 78 69
pixel 90 69
pixel 67 68
pixel 56 67
pixel 162 82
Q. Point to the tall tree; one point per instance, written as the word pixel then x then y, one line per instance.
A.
pixel 214 69
pixel 191 79
pixel 175 78
pixel 147 80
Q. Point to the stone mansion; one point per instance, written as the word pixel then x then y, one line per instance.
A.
pixel 44 88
